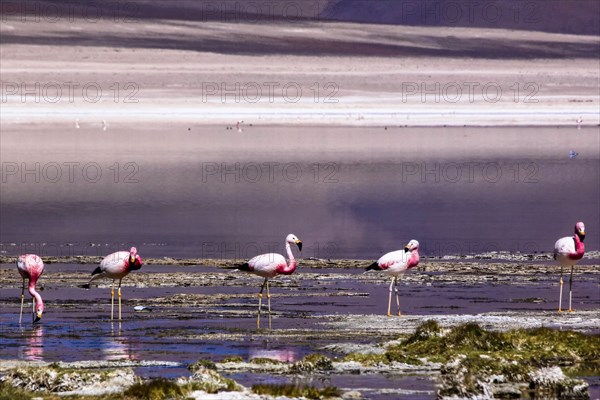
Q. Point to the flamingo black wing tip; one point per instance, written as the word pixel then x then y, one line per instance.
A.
pixel 373 266
pixel 241 267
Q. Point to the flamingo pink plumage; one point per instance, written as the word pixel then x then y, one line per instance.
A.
pixel 31 267
pixel 270 265
pixel 567 251
pixel 396 263
pixel 117 266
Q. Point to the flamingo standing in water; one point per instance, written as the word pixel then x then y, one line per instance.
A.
pixel 270 265
pixel 31 267
pixel 395 264
pixel 117 266
pixel 567 251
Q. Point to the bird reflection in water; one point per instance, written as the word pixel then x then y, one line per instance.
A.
pixel 117 347
pixel 34 347
pixel 282 355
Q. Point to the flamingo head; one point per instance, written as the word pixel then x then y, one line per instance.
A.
pixel 292 239
pixel 39 310
pixel 412 245
pixel 135 261
pixel 580 230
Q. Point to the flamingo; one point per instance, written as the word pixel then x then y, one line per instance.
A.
pixel 567 251
pixel 117 266
pixel 31 267
pixel 396 263
pixel 270 265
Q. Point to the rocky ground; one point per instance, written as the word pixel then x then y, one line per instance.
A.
pixel 473 363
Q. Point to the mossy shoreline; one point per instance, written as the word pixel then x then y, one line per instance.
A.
pixel 468 361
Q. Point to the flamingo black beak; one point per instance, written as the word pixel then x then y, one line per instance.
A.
pixel 299 244
pixel 38 316
pixel 582 235
pixel 406 249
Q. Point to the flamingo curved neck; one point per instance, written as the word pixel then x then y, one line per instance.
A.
pixel 291 267
pixel 579 248
pixel 35 294
pixel 413 261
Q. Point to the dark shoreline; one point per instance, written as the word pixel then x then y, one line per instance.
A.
pixel 312 262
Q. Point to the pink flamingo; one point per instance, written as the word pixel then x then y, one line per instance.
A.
pixel 117 266
pixel 31 267
pixel 270 265
pixel 396 263
pixel 568 250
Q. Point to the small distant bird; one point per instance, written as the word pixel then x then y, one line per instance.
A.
pixel 104 125
pixel 395 264
pixel 239 126
pixel 77 123
pixel 270 265
pixel 31 267
pixel 567 251
pixel 117 266
pixel 579 121
pixel 573 154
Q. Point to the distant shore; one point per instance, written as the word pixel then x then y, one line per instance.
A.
pixel 317 73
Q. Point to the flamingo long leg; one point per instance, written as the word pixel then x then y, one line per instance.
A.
pixel 561 287
pixel 33 309
pixel 119 299
pixel 390 298
pixel 397 298
pixel 260 302
pixel 268 298
pixel 269 303
pixel 112 300
pixel 22 301
pixel 570 289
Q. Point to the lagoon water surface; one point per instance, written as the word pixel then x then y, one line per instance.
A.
pixel 208 192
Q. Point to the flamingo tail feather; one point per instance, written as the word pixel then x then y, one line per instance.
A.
pixel 373 266
pixel 241 267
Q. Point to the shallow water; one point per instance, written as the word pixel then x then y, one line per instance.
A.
pixel 215 318
pixel 348 193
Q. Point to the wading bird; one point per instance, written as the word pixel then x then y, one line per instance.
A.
pixel 567 251
pixel 395 264
pixel 31 267
pixel 117 266
pixel 270 265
